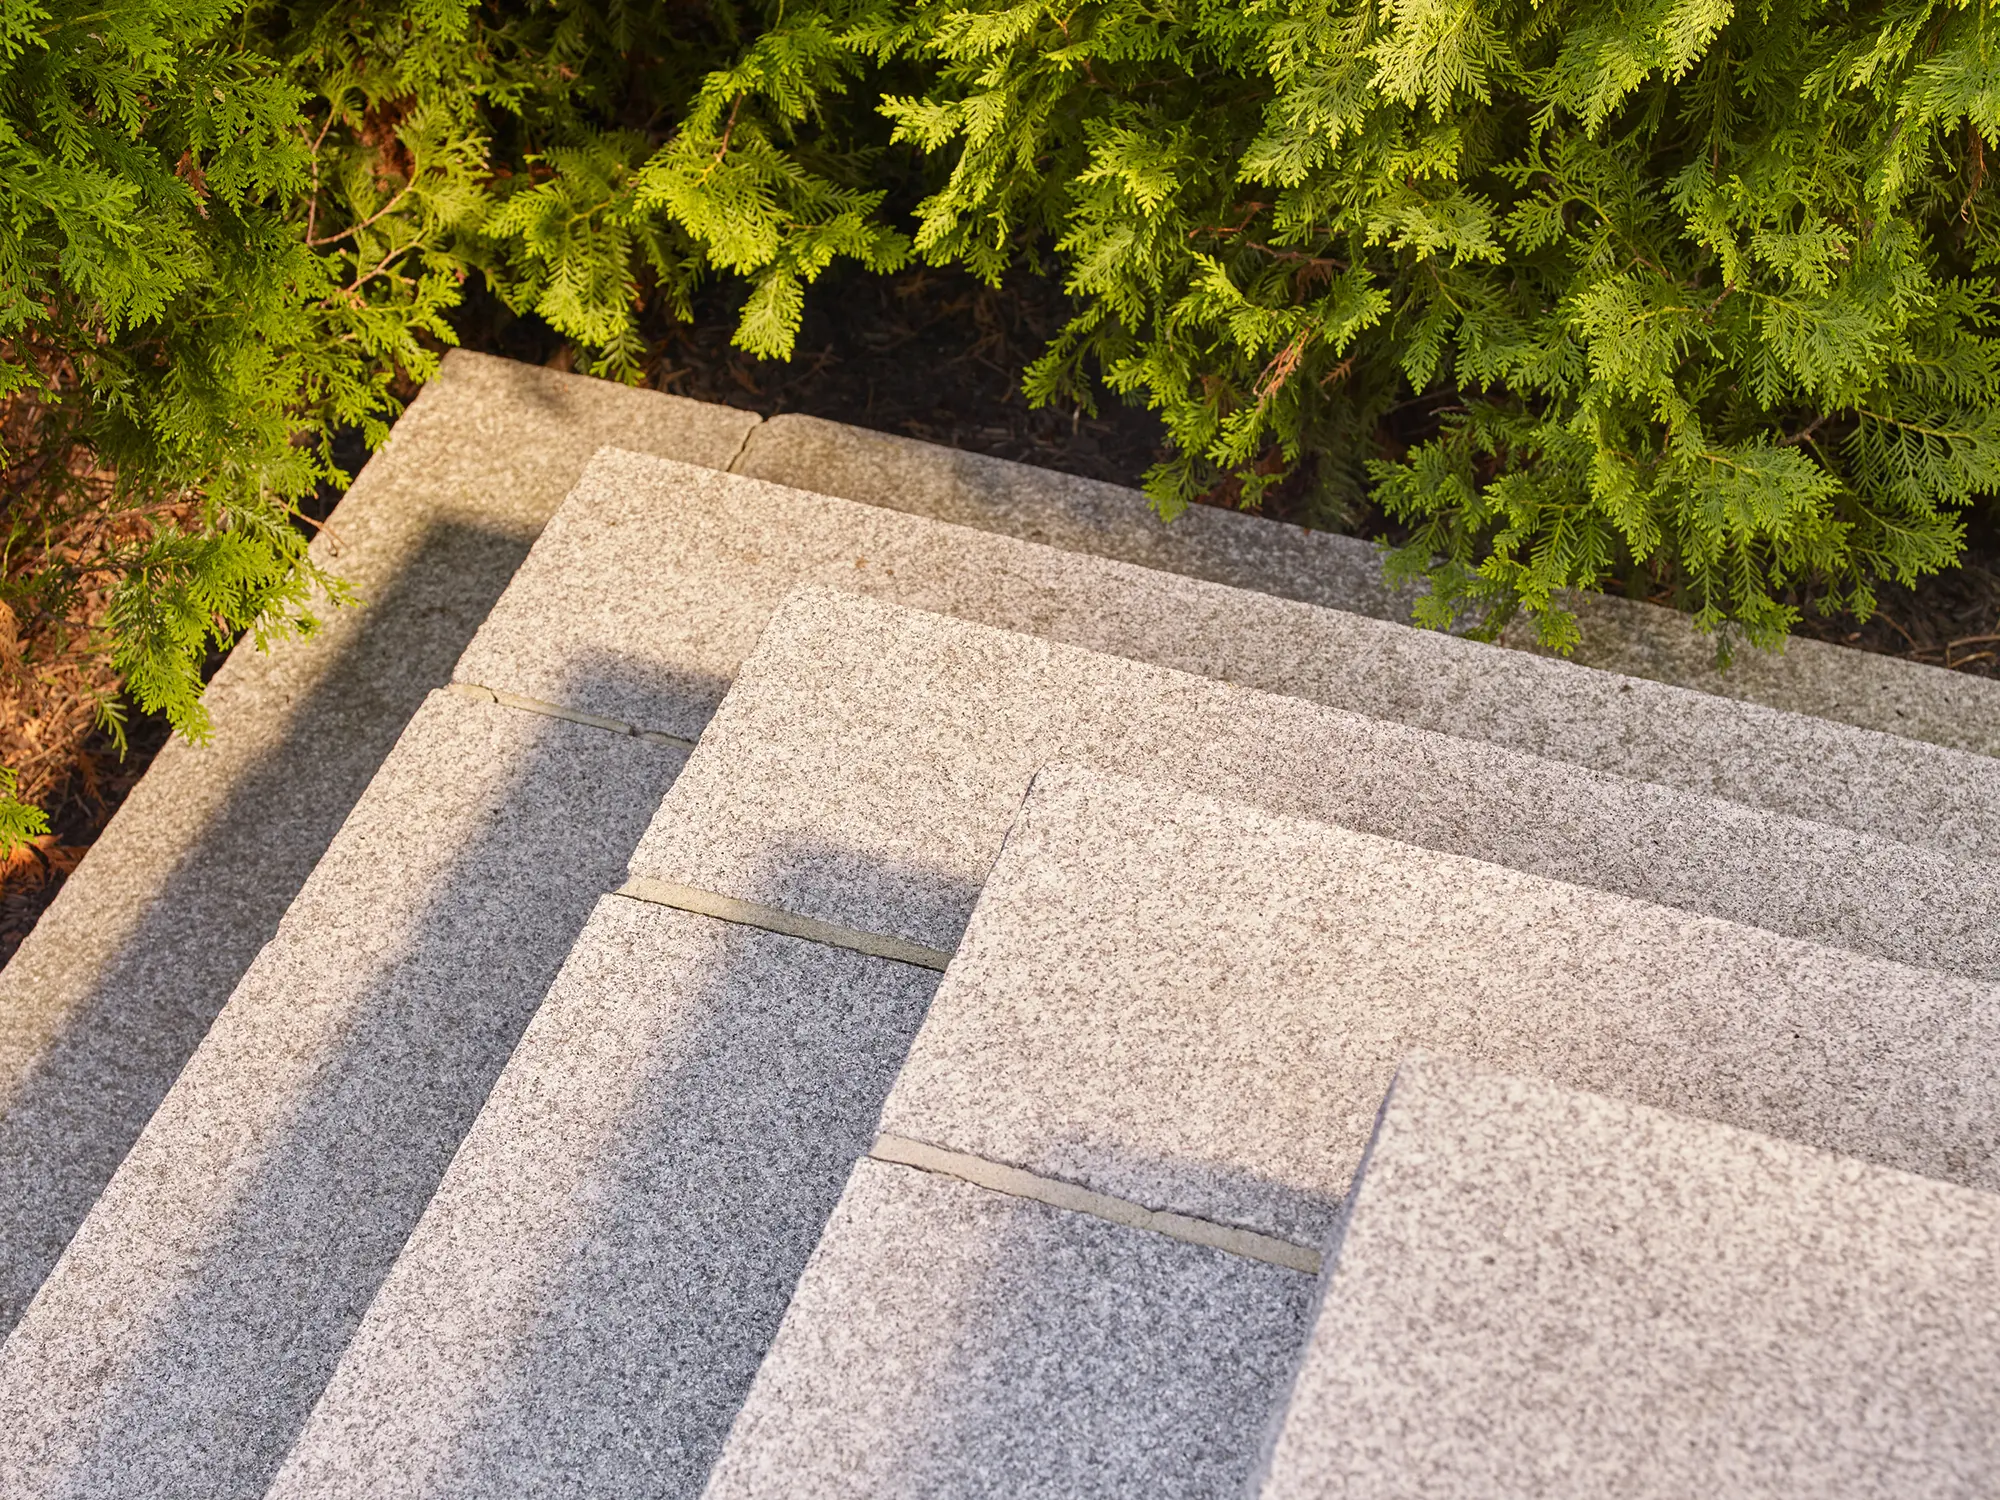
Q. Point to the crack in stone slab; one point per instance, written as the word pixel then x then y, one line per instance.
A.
pixel 1016 1183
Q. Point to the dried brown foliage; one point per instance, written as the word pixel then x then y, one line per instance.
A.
pixel 65 527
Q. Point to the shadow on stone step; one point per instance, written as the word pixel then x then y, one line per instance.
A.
pixel 760 1073
pixel 200 1310
pixel 598 1278
pixel 95 1025
pixel 951 1341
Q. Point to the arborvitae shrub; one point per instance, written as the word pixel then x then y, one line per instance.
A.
pixel 1588 294
pixel 192 302
pixel 1680 294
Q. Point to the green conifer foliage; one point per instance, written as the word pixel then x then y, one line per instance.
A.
pixel 1682 293
pixel 207 266
pixel 1587 294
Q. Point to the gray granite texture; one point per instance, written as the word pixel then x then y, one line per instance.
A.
pixel 112 990
pixel 1541 1293
pixel 584 1304
pixel 951 1343
pixel 1075 514
pixel 1083 515
pixel 188 1327
pixel 653 582
pixel 1196 1006
pixel 889 823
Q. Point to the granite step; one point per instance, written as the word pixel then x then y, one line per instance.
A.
pixel 83 1339
pixel 615 1243
pixel 1540 1292
pixel 186 1330
pixel 653 581
pixel 109 995
pixel 1627 636
pixel 1197 1005
pixel 975 1343
pixel 866 766
pixel 1178 1016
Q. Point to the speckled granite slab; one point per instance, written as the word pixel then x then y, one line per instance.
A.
pixel 1550 1294
pixel 655 579
pixel 1196 1006
pixel 1340 572
pixel 947 1342
pixel 868 763
pixel 586 1300
pixel 107 997
pixel 186 1331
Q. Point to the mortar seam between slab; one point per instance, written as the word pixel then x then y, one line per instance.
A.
pixel 525 704
pixel 743 913
pixel 1016 1182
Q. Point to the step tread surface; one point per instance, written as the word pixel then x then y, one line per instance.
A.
pixel 868 763
pixel 187 1329
pixel 1196 1006
pixel 110 993
pixel 1543 1292
pixel 1863 688
pixel 948 1342
pixel 585 1302
pixel 651 586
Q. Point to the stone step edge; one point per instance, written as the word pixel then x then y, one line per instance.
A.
pixel 700 903
pixel 479 692
pixel 1631 637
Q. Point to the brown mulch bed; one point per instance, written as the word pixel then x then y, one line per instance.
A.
pixel 927 354
pixel 55 682
pixel 1952 620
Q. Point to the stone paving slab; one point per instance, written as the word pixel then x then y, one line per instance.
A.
pixel 1073 513
pixel 645 1151
pixel 652 584
pixel 585 1302
pixel 870 759
pixel 187 1329
pixel 1620 635
pixel 1196 1006
pixel 947 1342
pixel 110 993
pixel 1544 1293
